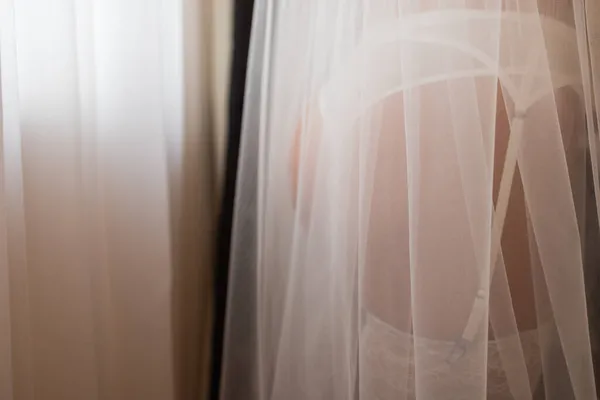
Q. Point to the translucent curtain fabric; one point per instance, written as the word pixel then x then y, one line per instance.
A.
pixel 105 200
pixel 416 186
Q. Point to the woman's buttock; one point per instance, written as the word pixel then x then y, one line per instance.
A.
pixel 387 269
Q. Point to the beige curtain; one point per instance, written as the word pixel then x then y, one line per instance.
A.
pixel 222 12
pixel 107 198
pixel 593 23
pixel 210 68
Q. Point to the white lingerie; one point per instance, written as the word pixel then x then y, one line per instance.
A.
pixel 387 358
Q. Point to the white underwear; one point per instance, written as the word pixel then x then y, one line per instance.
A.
pixel 387 356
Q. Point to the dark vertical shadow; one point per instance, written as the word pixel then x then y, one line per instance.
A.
pixel 241 41
pixel 592 269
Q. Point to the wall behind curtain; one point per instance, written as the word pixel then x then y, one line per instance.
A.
pixel 107 199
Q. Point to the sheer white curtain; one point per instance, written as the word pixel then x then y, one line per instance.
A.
pixel 105 199
pixel 418 187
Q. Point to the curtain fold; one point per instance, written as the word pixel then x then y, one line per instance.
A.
pixel 106 201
